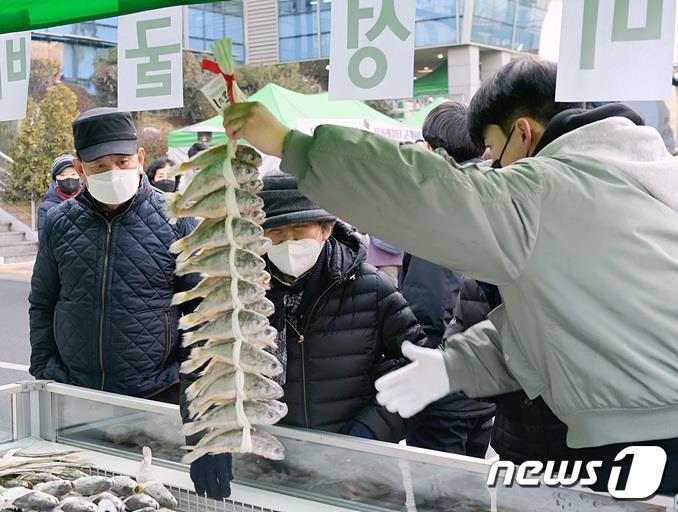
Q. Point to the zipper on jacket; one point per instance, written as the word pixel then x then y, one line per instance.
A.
pixel 104 278
pixel 168 336
pixel 301 345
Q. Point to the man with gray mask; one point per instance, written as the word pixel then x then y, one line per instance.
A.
pixel 100 305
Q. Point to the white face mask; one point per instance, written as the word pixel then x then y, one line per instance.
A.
pixel 114 187
pixel 295 257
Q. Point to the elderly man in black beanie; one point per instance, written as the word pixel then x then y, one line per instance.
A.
pixel 65 185
pixel 340 321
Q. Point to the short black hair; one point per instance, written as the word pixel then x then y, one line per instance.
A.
pixel 446 127
pixel 197 148
pixel 156 166
pixel 525 87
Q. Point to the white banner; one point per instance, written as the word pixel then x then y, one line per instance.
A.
pixel 616 50
pixel 372 49
pixel 15 68
pixel 395 130
pixel 150 69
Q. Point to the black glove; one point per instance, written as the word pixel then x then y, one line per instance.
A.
pixel 212 474
pixel 357 428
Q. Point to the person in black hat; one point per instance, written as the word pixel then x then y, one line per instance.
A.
pixel 65 185
pixel 340 322
pixel 101 313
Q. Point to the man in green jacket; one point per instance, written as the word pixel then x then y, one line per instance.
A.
pixel 578 231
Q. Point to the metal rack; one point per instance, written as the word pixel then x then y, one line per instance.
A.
pixel 322 472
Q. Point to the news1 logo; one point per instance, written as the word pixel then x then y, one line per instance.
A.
pixel 644 474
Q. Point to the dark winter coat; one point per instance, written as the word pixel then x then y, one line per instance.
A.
pixel 100 303
pixel 349 334
pixel 49 201
pixel 524 429
pixel 431 291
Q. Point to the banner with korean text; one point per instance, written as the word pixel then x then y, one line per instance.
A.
pixel 616 50
pixel 15 67
pixel 150 69
pixel 372 49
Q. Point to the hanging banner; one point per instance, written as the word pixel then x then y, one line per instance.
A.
pixel 616 50
pixel 150 69
pixel 395 130
pixel 372 49
pixel 15 68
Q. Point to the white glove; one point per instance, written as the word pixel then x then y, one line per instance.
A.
pixel 411 388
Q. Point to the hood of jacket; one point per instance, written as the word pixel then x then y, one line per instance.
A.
pixel 616 134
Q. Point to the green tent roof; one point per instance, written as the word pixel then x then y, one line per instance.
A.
pixel 35 14
pixel 288 106
pixel 433 84
pixel 419 118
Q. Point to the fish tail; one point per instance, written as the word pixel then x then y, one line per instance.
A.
pixel 192 456
pixel 187 321
pixel 192 428
pixel 181 297
pixel 178 246
pixel 189 366
pixel 173 205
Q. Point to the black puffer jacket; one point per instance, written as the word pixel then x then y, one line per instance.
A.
pixel 524 429
pixel 352 328
pixel 49 201
pixel 100 302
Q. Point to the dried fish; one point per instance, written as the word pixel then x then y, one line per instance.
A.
pixel 77 504
pixel 252 359
pixel 230 328
pixel 110 498
pixel 263 444
pixel 249 322
pixel 36 501
pixel 56 488
pixel 224 391
pixel 124 486
pixel 217 264
pixel 225 417
pixel 161 494
pixel 140 501
pixel 214 205
pixel 91 485
pixel 219 234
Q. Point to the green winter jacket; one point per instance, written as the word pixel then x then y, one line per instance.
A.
pixel 585 257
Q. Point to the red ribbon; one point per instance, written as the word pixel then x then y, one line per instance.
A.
pixel 213 67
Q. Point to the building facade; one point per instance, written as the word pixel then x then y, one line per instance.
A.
pixel 469 37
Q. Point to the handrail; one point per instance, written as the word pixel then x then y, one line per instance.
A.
pixel 105 397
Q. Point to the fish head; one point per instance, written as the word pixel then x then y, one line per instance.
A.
pixel 264 307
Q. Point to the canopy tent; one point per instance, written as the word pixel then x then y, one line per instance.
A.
pixel 289 107
pixel 433 84
pixel 34 14
pixel 419 118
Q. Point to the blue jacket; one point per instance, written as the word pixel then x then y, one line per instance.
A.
pixel 49 201
pixel 100 302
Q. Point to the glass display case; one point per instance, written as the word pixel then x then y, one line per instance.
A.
pixel 321 471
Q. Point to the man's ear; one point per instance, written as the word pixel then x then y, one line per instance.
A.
pixel 77 165
pixel 326 232
pixel 141 154
pixel 524 129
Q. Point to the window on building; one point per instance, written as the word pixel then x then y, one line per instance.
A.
pixel 298 28
pixel 529 21
pixel 437 22
pixel 216 20
pixel 493 22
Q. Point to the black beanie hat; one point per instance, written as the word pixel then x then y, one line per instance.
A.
pixel 60 163
pixel 284 204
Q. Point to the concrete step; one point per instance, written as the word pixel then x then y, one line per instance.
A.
pixel 20 249
pixel 5 227
pixel 24 258
pixel 11 238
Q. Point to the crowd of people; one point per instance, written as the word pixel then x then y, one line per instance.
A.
pixel 512 283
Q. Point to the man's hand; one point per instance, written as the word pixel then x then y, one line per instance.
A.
pixel 212 474
pixel 254 122
pixel 408 390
